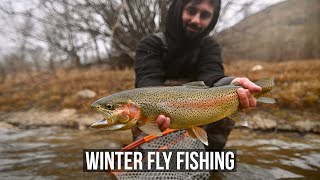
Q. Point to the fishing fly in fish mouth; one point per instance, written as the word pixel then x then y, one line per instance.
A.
pixel 188 106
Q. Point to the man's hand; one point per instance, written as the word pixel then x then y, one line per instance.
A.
pixel 163 122
pixel 246 94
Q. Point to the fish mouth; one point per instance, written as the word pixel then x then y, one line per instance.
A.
pixel 104 124
pixel 106 121
pixel 100 124
pixel 106 114
pixel 95 105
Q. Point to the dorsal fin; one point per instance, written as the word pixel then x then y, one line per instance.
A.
pixel 196 84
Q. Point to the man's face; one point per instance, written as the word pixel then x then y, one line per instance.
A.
pixel 196 18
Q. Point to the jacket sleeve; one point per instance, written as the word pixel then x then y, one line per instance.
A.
pixel 210 67
pixel 148 66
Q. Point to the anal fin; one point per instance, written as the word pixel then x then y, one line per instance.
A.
pixel 191 134
pixel 199 133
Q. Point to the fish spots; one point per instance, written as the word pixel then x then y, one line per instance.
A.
pixel 202 104
pixel 201 107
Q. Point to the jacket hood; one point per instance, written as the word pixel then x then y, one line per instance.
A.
pixel 174 28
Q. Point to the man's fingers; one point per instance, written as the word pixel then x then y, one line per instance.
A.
pixel 245 94
pixel 252 101
pixel 166 123
pixel 246 83
pixel 250 85
pixel 163 122
pixel 243 98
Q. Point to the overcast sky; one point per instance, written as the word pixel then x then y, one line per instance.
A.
pixel 7 37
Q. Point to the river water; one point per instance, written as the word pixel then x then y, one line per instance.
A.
pixel 56 153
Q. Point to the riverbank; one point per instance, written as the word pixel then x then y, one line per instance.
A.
pixel 281 120
pixel 63 97
pixel 297 85
pixel 45 122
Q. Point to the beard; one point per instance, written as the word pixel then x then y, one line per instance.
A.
pixel 191 30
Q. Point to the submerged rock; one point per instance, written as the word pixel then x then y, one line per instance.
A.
pixel 259 122
pixel 86 94
pixel 304 126
pixel 5 125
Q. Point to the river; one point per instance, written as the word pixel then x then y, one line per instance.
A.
pixel 56 153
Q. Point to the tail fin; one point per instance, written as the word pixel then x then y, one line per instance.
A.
pixel 266 100
pixel 265 96
pixel 266 83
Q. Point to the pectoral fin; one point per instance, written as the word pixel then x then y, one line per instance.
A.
pixel 151 128
pixel 239 118
pixel 199 133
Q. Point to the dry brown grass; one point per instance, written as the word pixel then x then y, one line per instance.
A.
pixel 59 90
pixel 297 85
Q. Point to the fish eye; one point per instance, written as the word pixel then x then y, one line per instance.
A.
pixel 109 106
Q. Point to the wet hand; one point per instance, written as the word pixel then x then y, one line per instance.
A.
pixel 163 122
pixel 246 94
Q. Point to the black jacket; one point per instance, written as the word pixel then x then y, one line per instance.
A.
pixel 185 59
pixel 154 64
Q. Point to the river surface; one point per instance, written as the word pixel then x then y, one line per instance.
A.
pixel 56 153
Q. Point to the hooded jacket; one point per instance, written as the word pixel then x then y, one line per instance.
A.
pixel 185 59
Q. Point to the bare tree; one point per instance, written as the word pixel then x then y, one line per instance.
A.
pixel 20 58
pixel 73 31
pixel 59 32
pixel 125 22
pixel 3 73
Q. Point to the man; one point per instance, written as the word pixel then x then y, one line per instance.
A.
pixel 190 55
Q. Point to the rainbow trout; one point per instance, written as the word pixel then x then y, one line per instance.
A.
pixel 189 106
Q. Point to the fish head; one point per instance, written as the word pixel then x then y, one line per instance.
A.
pixel 117 114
